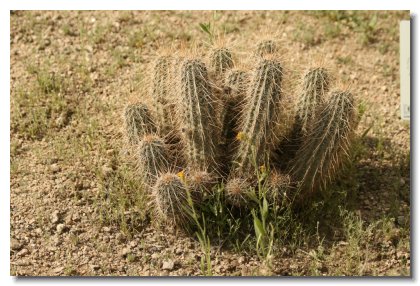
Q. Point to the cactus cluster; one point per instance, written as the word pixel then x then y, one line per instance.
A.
pixel 214 121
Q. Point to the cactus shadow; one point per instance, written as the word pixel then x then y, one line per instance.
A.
pixel 374 185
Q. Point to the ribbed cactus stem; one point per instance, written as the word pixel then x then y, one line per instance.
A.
pixel 197 116
pixel 221 60
pixel 266 47
pixel 138 122
pixel 327 143
pixel 152 158
pixel 170 197
pixel 235 87
pixel 161 93
pixel 259 116
pixel 315 87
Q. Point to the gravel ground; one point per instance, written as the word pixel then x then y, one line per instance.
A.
pixel 71 75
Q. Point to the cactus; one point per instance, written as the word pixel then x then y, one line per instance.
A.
pixel 138 122
pixel 265 48
pixel 221 60
pixel 161 93
pixel 153 158
pixel 326 144
pixel 278 186
pixel 170 196
pixel 200 184
pixel 236 189
pixel 315 86
pixel 259 116
pixel 235 88
pixel 223 125
pixel 196 116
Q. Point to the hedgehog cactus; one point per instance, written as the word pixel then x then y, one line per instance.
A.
pixel 231 123
pixel 259 116
pixel 221 60
pixel 315 87
pixel 138 122
pixel 196 116
pixel 161 92
pixel 152 158
pixel 171 198
pixel 328 140
pixel 266 47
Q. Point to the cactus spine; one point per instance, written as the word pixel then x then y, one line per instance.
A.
pixel 236 191
pixel 153 158
pixel 266 47
pixel 315 86
pixel 278 186
pixel 200 184
pixel 161 92
pixel 171 198
pixel 259 115
pixel 196 116
pixel 327 142
pixel 221 60
pixel 235 87
pixel 138 122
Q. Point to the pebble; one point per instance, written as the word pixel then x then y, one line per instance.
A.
pixel 58 270
pixel 55 168
pixel 55 218
pixel 168 265
pixel 23 252
pixel 61 228
pixel 241 260
pixel 95 267
pixel 133 244
pixel 15 244
pixel 125 252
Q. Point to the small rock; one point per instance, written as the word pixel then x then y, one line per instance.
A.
pixel 168 265
pixel 241 260
pixel 15 244
pixel 23 252
pixel 22 263
pixel 106 229
pixel 55 168
pixel 58 270
pixel 125 252
pixel 155 256
pixel 133 244
pixel 402 182
pixel 178 251
pixel 61 228
pixel 95 267
pixel 55 217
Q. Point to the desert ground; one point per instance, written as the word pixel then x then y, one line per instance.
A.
pixel 77 206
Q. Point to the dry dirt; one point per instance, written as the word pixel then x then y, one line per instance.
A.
pixel 71 75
